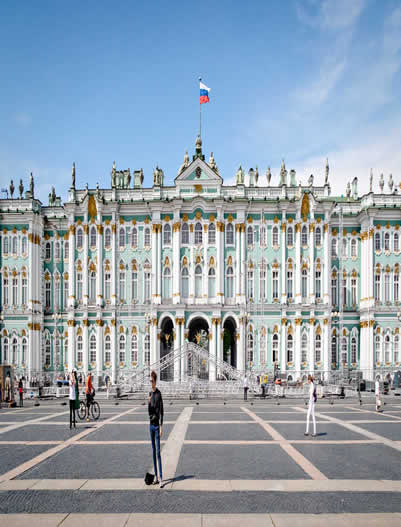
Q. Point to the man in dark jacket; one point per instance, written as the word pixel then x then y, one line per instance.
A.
pixel 156 412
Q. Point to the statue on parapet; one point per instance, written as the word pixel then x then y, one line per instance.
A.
pixel 12 188
pixel 240 176
pixel 326 177
pixel 371 181
pixel 390 182
pixel 310 180
pixel 283 174
pixel 212 163
pixel 158 177
pixel 268 176
pixel 355 187
pixel 31 186
pixel 381 183
pixel 73 176
pixel 185 163
pixel 21 188
pixel 348 191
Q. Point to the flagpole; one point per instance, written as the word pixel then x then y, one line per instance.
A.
pixel 200 114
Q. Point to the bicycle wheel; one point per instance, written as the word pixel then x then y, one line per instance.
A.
pixel 95 410
pixel 82 410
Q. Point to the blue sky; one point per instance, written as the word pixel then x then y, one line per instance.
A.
pixel 96 81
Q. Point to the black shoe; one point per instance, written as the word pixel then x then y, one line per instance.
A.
pixel 314 435
pixel 306 434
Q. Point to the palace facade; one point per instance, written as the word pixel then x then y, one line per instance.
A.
pixel 284 274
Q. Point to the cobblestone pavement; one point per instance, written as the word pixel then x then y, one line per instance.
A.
pixel 241 458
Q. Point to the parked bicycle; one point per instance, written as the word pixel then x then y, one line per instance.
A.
pixel 94 408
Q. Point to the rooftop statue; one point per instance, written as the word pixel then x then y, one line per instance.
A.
pixel 348 191
pixel 293 181
pixel 371 181
pixel 381 183
pixel 283 174
pixel 310 180
pixel 251 177
pixel 12 188
pixel 158 177
pixel 268 176
pixel 73 176
pixel 31 186
pixel 52 197
pixel 21 188
pixel 113 175
pixel 355 187
pixel 299 193
pixel 198 149
pixel 326 177
pixel 185 163
pixel 390 183
pixel 256 175
pixel 212 163
pixel 240 176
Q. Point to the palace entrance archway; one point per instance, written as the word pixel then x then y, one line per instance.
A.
pixel 198 333
pixel 230 342
pixel 166 346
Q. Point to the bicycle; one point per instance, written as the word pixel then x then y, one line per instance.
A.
pixel 94 408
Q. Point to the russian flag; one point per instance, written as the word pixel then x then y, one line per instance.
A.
pixel 204 93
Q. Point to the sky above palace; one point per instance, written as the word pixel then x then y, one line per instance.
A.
pixel 98 81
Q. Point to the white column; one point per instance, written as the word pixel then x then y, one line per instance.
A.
pixel 241 347
pixel 113 351
pixel 298 297
pixel 154 343
pixel 182 340
pixel 71 268
pixel 176 262
pixel 237 268
pixel 177 349
pixel 86 344
pixel 85 267
pixel 370 265
pixel 99 267
pixel 159 264
pixel 284 263
pixel 312 262
pixel 31 278
pixel 311 350
pixel 219 336
pixel 297 351
pixel 114 267
pixel 283 340
pixel 154 263
pixel 99 349
pixel 191 288
pixel 206 265
pixel 243 264
pixel 327 265
pixel 326 347
pixel 71 345
pixel 220 261
pixel 30 359
pixel 212 352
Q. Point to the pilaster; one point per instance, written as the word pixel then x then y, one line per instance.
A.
pixel 298 297
pixel 176 258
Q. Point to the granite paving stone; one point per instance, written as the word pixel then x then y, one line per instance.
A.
pixel 388 430
pixel 40 432
pixel 14 455
pixel 220 417
pixel 325 431
pixel 246 431
pixel 125 432
pixel 360 416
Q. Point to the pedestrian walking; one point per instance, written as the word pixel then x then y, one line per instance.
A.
pixel 311 406
pixel 377 393
pixel 246 387
pixel 156 413
pixel 21 393
pixel 73 384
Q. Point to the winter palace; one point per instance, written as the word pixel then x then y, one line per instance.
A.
pixel 265 273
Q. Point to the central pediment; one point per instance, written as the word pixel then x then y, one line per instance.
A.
pixel 198 172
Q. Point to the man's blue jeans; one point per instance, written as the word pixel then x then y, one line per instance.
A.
pixel 155 437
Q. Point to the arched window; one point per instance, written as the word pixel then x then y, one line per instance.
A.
pixel 344 350
pixel 304 348
pixel 387 241
pixel 262 236
pixel 318 283
pixel 122 284
pixel 147 350
pixel 396 242
pixel 250 349
pixel 57 361
pixel 57 292
pixel 47 352
pixel 80 238
pixel 122 238
pixel 396 287
pixel 250 288
pixel 275 236
pixel 24 350
pixel 121 348
pixel 396 349
pixel 318 348
pixel 290 236
pixel 290 348
pixel 318 236
pixel 230 282
pixel 107 285
pixel 146 237
pixel 5 351
pixel 354 246
pixel 377 286
pixel 250 235
pixel 334 247
pixel 79 285
pixel 304 235
pixel 93 236
pixel 134 237
pixel 230 234
pixel 167 283
pixel 289 283
pixel 262 347
pixel 345 248
pixel 198 233
pixel 262 282
pixel 80 349
pixel 107 349
pixel 134 285
pixel 185 234
pixel 14 284
pixel 334 349
pixel 387 348
pixel 14 350
pixel 5 245
pixel 134 349
pixel 377 241
pixel 198 281
pixel 212 283
pixel 15 245
pixel 275 348
pixel 304 284
pixel 275 284
pixel 48 252
pixel 387 287
pixel 212 234
pixel 23 245
pixel 377 348
pixel 107 237
pixel 48 289
pixel 5 288
pixel 147 280
pixel 167 234
pixel 185 282
pixel 66 250
pixel 92 287
pixel 353 350
pixel 92 348
pixel 353 290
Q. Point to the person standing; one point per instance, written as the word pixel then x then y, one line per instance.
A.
pixel 72 398
pixel 156 413
pixel 311 406
pixel 8 388
pixel 88 392
pixel 21 393
pixel 377 393
pixel 246 387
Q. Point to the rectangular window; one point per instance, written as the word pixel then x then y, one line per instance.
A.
pixel 262 284
pixel 147 287
pixel 396 288
pixel 79 286
pixel 377 287
pixel 134 286
pixel 334 292
pixel 5 291
pixel 57 290
pixel 24 299
pixel 275 285
pixel 47 295
pixel 15 291
pixel 65 295
pixel 318 284
pixel 344 286
pixel 387 287
pixel 107 285
pixel 353 292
